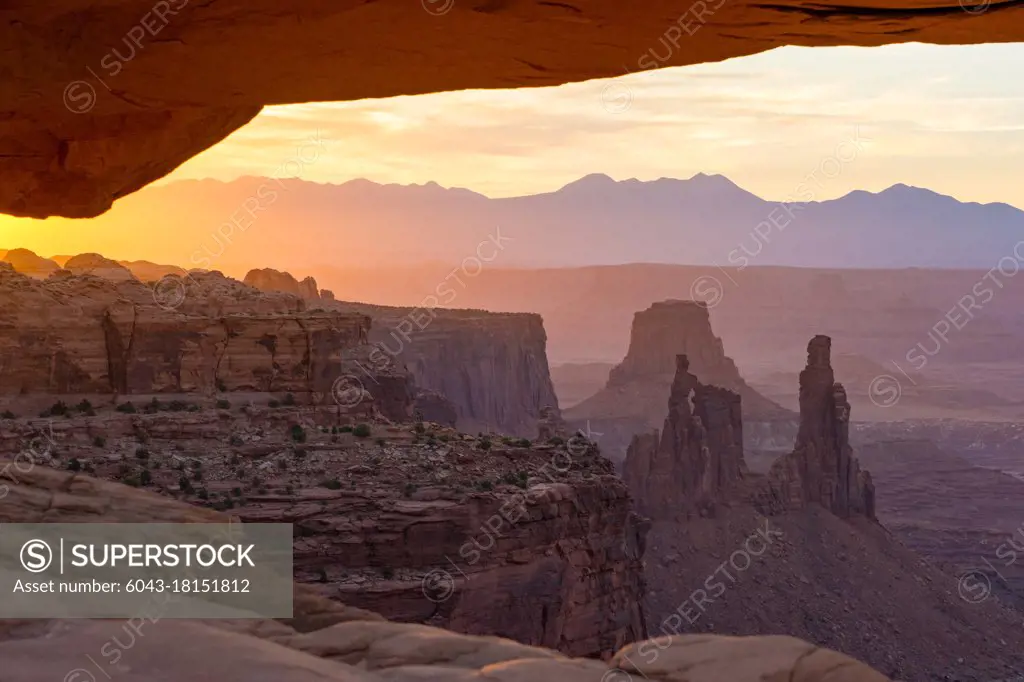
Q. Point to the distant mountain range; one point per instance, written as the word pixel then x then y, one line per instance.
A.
pixel 706 219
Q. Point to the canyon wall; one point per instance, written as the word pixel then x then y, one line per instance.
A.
pixel 634 399
pixel 72 334
pixel 493 367
pixel 534 543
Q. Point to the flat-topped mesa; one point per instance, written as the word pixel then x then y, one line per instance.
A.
pixel 697 461
pixel 493 367
pixel 666 329
pixel 822 467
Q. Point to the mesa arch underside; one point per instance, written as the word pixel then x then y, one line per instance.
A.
pixel 98 99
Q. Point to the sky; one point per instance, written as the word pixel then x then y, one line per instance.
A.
pixel 949 118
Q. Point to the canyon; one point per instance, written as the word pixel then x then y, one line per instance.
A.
pixel 207 392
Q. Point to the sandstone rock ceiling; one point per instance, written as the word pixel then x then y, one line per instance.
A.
pixel 100 97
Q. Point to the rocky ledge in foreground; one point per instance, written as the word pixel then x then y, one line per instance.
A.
pixel 482 535
pixel 326 640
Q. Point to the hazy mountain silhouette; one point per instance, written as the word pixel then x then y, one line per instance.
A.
pixel 706 219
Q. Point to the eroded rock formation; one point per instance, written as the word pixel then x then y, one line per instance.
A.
pixel 98 266
pixel 268 279
pixel 798 551
pixel 822 467
pixel 28 263
pixel 697 461
pixel 634 399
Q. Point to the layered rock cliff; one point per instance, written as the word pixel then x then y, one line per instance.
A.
pixel 416 522
pixel 493 367
pixel 634 399
pixel 74 334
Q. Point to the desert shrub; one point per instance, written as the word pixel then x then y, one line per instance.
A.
pixel 298 433
pixel 7 414
pixel 331 484
pixel 273 403
pixel 361 431
pixel 145 477
pixel 223 404
pixel 127 408
pixel 99 441
pixel 74 464
pixel 484 443
pixel 484 484
pixel 235 440
pixel 289 400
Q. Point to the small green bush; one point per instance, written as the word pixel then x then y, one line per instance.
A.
pixel 223 405
pixel 331 484
pixel 361 431
pixel 127 408
pixel 99 441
